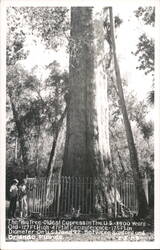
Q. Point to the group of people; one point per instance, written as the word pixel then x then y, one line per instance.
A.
pixel 18 193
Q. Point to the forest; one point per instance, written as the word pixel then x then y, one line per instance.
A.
pixel 71 108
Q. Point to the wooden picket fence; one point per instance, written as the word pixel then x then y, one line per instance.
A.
pixel 128 196
pixel 75 193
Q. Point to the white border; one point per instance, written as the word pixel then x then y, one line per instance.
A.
pixel 78 245
pixel 3 118
pixel 78 2
pixel 157 124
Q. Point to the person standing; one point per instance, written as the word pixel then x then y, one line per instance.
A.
pixel 13 198
pixel 22 194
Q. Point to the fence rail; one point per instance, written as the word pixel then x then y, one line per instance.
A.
pixel 76 193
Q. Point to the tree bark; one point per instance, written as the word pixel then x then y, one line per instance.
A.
pixel 57 161
pixel 57 130
pixel 87 151
pixel 20 135
pixel 143 206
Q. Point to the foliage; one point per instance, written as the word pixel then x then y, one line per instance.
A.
pixel 145 51
pixel 142 131
pixel 51 24
pixel 150 97
pixel 26 24
pixel 37 104
pixel 147 14
pixel 16 34
pixel 145 46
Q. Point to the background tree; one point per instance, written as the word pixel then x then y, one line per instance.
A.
pixel 146 53
pixel 37 111
pixel 39 104
pixel 141 128
pixel 143 207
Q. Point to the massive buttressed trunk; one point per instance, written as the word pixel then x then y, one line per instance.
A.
pixel 87 144
pixel 87 152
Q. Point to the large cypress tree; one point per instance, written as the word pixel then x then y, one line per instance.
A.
pixel 87 152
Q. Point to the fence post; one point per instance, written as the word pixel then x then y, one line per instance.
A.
pixel 145 186
pixel 59 194
pixel 28 185
pixel 115 198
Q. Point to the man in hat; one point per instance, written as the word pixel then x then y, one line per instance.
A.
pixel 13 198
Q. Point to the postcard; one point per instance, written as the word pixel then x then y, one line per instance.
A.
pixel 80 143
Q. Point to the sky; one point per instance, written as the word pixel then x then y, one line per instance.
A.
pixel 126 39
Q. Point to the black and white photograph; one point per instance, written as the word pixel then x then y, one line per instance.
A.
pixel 79 97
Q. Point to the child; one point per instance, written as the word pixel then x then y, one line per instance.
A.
pixel 13 198
pixel 23 199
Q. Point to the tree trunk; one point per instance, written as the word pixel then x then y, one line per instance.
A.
pixel 57 130
pixel 57 161
pixel 143 206
pixel 87 152
pixel 20 135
